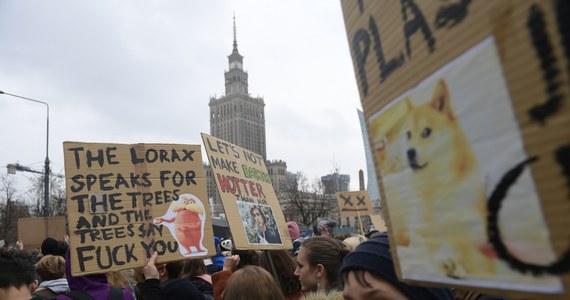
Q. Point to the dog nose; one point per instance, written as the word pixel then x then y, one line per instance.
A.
pixel 411 154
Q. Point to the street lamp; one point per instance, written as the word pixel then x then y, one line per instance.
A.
pixel 46 166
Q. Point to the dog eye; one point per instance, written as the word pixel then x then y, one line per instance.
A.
pixel 408 134
pixel 426 132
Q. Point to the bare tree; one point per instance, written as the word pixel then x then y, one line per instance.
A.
pixel 56 202
pixel 306 201
pixel 11 209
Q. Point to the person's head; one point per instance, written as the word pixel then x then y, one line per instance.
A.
pixel 353 241
pixel 193 267
pixel 284 267
pixel 247 257
pixel 17 278
pixel 50 246
pixel 120 278
pixel 294 231
pixel 319 261
pixel 324 227
pixel 252 282
pixel 170 270
pixel 368 271
pixel 257 215
pixel 51 267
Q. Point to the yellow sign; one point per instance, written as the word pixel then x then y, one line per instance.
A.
pixel 127 201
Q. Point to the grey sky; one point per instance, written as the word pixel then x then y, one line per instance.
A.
pixel 143 72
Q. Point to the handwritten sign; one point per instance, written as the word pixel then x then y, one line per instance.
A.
pixel 127 201
pixel 251 206
pixel 353 204
pixel 476 199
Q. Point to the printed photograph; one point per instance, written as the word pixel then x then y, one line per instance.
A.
pixel 259 223
pixel 442 148
pixel 185 220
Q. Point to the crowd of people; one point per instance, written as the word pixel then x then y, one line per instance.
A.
pixel 317 267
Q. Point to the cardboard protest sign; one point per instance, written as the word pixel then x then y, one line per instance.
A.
pixel 33 231
pixel 127 201
pixel 464 105
pixel 378 222
pixel 354 204
pixel 251 206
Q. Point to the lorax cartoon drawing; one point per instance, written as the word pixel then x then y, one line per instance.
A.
pixel 188 215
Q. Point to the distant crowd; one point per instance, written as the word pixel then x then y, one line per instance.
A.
pixel 321 266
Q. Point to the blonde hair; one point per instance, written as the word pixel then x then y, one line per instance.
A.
pixel 120 279
pixel 51 267
pixel 252 282
pixel 353 241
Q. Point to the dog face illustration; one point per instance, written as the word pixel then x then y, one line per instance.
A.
pixel 430 128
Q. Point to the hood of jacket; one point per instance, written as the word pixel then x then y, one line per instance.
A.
pixel 58 286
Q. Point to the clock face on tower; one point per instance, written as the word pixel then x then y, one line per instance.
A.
pixel 235 64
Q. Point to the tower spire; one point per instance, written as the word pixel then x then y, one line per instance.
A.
pixel 235 38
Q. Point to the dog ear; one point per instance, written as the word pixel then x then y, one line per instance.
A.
pixel 441 100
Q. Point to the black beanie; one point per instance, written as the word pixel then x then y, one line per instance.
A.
pixel 374 256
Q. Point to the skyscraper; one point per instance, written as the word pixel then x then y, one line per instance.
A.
pixel 240 119
pixel 237 117
pixel 372 186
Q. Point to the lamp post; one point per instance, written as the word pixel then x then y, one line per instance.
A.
pixel 46 165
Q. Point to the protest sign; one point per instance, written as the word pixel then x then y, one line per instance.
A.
pixel 251 206
pixel 33 231
pixel 354 204
pixel 464 105
pixel 378 222
pixel 126 201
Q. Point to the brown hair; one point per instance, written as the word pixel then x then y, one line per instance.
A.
pixel 51 267
pixel 328 252
pixel 193 267
pixel 284 267
pixel 252 282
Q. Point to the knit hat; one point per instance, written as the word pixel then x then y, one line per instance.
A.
pixel 374 256
pixel 293 228
pixel 329 224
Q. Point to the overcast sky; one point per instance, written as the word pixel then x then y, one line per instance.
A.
pixel 143 71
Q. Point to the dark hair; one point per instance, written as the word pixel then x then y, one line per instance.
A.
pixel 326 251
pixel 246 258
pixel 284 267
pixel 17 268
pixel 62 248
pixel 50 246
pixel 193 267
pixel 260 212
pixel 174 268
pixel 252 282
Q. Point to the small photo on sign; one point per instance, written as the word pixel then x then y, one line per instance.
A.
pixel 259 223
pixel 185 220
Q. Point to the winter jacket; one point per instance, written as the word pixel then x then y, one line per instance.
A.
pixel 95 284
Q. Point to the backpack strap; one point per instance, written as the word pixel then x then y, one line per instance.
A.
pixel 116 294
pixel 79 295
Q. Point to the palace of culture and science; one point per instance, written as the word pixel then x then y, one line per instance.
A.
pixel 239 118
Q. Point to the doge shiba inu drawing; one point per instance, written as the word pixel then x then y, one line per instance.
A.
pixel 450 215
